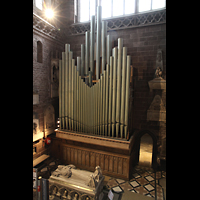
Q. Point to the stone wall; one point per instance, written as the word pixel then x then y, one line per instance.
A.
pixel 42 74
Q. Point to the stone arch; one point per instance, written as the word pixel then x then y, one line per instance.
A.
pixel 62 190
pixel 51 188
pixel 136 146
pixel 73 192
pixel 84 196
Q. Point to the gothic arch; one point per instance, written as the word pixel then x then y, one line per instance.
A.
pixel 136 146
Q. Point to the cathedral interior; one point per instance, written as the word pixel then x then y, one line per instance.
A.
pixel 99 98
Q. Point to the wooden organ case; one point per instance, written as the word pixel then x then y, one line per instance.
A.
pixel 95 105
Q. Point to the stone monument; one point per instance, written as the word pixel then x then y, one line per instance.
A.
pixel 67 181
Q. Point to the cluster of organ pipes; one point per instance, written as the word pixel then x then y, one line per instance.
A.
pixel 100 106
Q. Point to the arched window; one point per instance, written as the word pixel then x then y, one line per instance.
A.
pixel 39 52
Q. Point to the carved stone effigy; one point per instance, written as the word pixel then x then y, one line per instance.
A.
pixel 67 182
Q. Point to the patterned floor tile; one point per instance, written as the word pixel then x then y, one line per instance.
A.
pixel 134 183
pixel 120 181
pixel 152 193
pixel 117 189
pixel 112 183
pixel 133 191
pixel 142 181
pixel 145 174
pixel 136 175
pixel 159 196
pixel 148 195
pixel 158 192
pixel 149 187
pixel 141 190
pixel 149 178
pixel 126 186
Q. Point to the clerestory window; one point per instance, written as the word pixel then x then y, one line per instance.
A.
pixel 39 4
pixel 84 9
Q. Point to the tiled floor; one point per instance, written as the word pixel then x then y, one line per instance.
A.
pixel 142 182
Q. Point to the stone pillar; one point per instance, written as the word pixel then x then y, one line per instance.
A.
pixel 157 109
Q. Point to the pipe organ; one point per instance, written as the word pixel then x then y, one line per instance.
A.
pixel 94 96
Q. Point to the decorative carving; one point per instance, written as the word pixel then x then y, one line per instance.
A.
pixel 159 64
pixel 158 83
pixel 157 110
pixel 68 154
pixel 72 155
pixel 75 156
pixel 95 177
pixel 125 166
pixel 115 164
pixel 79 157
pixel 81 185
pixel 102 161
pixel 107 163
pixel 98 173
pixel 83 158
pixel 92 159
pixel 97 159
pixel 110 163
pixel 120 165
pixel 157 104
pixel 87 158
pixel 62 171
pixel 145 19
pixel 45 27
pixel 91 182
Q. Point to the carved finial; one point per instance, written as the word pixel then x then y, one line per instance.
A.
pixel 91 181
pixel 97 173
pixel 159 64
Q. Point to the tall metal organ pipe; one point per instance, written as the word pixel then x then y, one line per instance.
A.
pixel 101 106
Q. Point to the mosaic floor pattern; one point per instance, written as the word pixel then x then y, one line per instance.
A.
pixel 142 182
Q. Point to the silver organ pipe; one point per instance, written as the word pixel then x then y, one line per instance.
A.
pixel 101 106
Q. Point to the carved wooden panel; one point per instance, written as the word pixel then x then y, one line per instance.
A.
pixel 72 156
pixel 64 153
pixel 120 165
pixel 79 157
pixel 97 159
pixel 106 162
pixel 83 158
pixel 75 156
pixel 87 158
pixel 102 161
pixel 115 164
pixel 110 163
pixel 68 154
pixel 92 159
pixel 124 166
